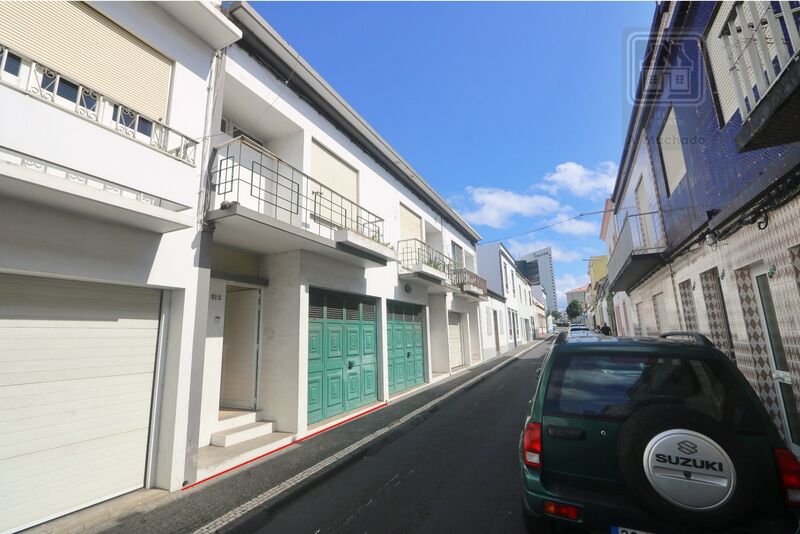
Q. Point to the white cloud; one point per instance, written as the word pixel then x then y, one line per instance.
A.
pixel 580 181
pixel 565 283
pixel 495 207
pixel 576 227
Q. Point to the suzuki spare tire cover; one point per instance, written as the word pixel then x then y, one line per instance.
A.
pixel 685 468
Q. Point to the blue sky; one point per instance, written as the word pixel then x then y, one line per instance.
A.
pixel 515 112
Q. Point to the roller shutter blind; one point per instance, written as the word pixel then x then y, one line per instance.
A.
pixel 410 224
pixel 86 47
pixel 333 173
pixel 720 67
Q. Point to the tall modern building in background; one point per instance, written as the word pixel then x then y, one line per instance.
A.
pixel 538 268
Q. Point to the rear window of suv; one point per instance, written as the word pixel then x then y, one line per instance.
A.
pixel 614 386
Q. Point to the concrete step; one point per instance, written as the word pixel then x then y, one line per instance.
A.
pixel 229 419
pixel 232 436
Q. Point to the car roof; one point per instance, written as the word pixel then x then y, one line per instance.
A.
pixel 609 344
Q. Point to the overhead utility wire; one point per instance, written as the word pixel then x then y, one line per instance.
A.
pixel 578 216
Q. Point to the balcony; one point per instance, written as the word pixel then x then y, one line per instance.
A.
pixel 61 188
pixel 420 262
pixel 266 205
pixel 762 41
pixel 637 252
pixel 472 286
pixel 37 80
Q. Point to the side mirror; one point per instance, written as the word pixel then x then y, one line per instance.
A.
pixel 538 372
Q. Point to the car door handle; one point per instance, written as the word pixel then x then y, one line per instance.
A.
pixel 565 432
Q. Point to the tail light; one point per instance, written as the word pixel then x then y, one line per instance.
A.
pixel 789 469
pixel 558 509
pixel 532 445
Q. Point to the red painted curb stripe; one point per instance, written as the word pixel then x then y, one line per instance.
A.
pixel 285 446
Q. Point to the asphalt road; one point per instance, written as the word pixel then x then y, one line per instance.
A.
pixel 455 471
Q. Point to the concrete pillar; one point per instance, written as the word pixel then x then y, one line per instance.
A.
pixel 383 351
pixel 283 362
pixel 440 349
pixel 212 376
pixel 473 319
pixel 426 340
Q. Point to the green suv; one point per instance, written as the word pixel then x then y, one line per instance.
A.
pixel 635 435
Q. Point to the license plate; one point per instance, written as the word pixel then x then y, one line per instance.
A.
pixel 626 530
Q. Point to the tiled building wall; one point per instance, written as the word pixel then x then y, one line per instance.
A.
pixel 778 245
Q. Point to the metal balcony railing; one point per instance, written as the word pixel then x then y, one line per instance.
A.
pixel 412 252
pixel 249 174
pixel 640 234
pixel 761 39
pixel 461 277
pixel 35 79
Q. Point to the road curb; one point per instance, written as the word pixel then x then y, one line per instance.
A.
pixel 295 484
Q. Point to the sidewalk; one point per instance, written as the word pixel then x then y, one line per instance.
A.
pixel 219 501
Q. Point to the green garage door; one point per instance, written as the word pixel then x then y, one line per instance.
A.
pixel 342 363
pixel 406 354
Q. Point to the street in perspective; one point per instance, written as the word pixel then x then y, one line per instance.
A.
pixel 399 267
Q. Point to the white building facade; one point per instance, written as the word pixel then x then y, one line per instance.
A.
pixel 339 279
pixel 101 154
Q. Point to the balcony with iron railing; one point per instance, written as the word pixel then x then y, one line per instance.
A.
pixel 420 261
pixel 470 283
pixel 250 181
pixel 762 45
pixel 637 251
pixel 40 81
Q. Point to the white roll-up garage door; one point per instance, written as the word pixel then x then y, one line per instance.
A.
pixel 454 337
pixel 76 386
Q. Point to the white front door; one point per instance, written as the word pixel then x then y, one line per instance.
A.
pixel 454 338
pixel 76 384
pixel 240 348
pixel 780 367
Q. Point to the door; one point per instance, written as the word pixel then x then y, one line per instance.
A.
pixel 342 356
pixel 240 348
pixel 454 338
pixel 405 342
pixel 778 362
pixel 77 362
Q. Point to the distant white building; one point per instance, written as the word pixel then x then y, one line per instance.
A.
pixel 537 267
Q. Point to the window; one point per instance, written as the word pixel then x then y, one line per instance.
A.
pixel 12 64
pixel 410 224
pixel 457 253
pixel 640 318
pixel 660 309
pixel 489 321
pixel 615 386
pixel 671 147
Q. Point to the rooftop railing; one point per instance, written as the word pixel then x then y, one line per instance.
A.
pixel 412 252
pixel 249 174
pixel 761 39
pixel 35 79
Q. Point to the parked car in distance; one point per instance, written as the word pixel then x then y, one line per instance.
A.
pixel 578 330
pixel 652 435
